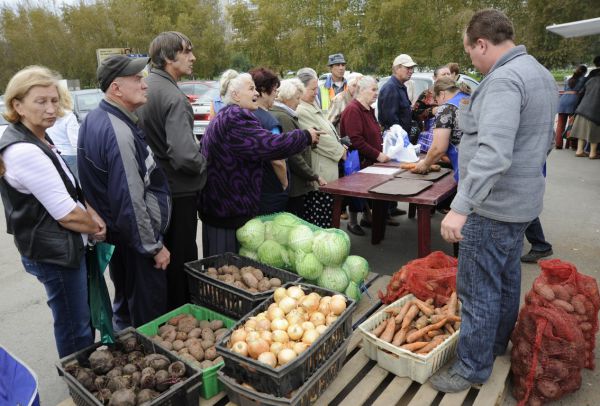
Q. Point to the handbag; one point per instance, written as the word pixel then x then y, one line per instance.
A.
pixel 352 163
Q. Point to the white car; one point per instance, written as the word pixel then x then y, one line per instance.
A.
pixel 201 95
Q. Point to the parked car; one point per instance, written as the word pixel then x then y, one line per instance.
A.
pixel 85 101
pixel 201 94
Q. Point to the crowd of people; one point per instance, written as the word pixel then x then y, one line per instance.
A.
pixel 138 180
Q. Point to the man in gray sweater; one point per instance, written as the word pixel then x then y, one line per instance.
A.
pixel 168 120
pixel 507 133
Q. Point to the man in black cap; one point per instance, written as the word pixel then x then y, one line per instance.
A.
pixel 130 192
pixel 335 83
pixel 168 121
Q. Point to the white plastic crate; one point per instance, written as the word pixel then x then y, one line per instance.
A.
pixel 401 362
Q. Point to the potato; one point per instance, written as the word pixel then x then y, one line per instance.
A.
pixel 212 270
pixel 239 284
pixel 246 269
pixel 220 333
pixel 165 327
pixel 174 321
pixel 181 336
pixel 222 277
pixel 257 274
pixel 216 324
pixel 204 324
pixel 210 353
pixel 253 290
pixel 190 359
pixel 122 397
pixel 208 334
pixel 229 279
pixel 195 333
pixel 168 345
pixel 196 351
pixel 275 282
pixel 187 324
pixel 191 341
pixel 206 344
pixel 237 276
pixel 178 345
pixel 169 335
pixel 263 285
pixel 218 360
pixel 544 291
pixel 183 351
pixel 547 388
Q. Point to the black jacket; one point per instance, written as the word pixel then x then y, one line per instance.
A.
pixel 37 235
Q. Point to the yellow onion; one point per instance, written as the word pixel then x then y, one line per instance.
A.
pixel 275 313
pixel 309 303
pixel 307 325
pixel 321 329
pixel 240 348
pixel 295 332
pixel 263 325
pixel 299 347
pixel 337 305
pixel 317 318
pixel 260 316
pixel 324 307
pixel 267 336
pixel 257 347
pixel 279 294
pixel 287 304
pixel 276 347
pixel 295 317
pixel 279 324
pixel 280 336
pixel 272 305
pixel 251 336
pixel 286 355
pixel 238 335
pixel 310 336
pixel 250 325
pixel 330 319
pixel 295 292
pixel 268 358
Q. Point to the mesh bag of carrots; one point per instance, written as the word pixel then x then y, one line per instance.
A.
pixel 555 327
pixel 431 277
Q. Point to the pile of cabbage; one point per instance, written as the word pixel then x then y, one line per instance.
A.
pixel 320 256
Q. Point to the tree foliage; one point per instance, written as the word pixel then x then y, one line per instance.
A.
pixel 283 34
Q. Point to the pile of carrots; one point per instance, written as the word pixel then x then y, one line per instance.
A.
pixel 418 326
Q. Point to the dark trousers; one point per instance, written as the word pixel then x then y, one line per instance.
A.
pixel 535 235
pixel 295 205
pixel 217 241
pixel 180 240
pixel 140 289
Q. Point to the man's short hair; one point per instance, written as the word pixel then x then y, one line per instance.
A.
pixel 597 61
pixel 165 47
pixel 492 25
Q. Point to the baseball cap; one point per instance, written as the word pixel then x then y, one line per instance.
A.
pixel 404 60
pixel 335 59
pixel 117 66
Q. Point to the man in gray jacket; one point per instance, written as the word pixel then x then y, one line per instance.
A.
pixel 507 133
pixel 168 121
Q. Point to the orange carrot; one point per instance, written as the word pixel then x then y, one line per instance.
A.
pixel 448 327
pixel 388 333
pixel 415 346
pixel 410 315
pixel 403 311
pixel 432 344
pixel 421 332
pixel 422 322
pixel 379 329
pixel 434 333
pixel 452 305
pixel 400 337
pixel 427 310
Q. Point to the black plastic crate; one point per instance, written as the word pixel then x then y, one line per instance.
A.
pixel 306 395
pixel 283 380
pixel 184 393
pixel 225 298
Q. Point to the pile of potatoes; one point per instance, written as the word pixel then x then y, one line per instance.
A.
pixel 247 278
pixel 191 339
pixel 124 375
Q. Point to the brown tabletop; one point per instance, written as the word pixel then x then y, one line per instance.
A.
pixel 358 185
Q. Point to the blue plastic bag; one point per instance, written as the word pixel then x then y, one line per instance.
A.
pixel 352 163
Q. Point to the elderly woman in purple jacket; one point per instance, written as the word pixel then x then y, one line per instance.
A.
pixel 235 146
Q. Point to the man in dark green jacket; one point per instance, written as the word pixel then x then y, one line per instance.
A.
pixel 168 121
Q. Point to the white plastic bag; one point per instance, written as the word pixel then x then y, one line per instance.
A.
pixel 397 146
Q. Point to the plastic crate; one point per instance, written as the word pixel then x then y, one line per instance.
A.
pixel 225 298
pixel 283 380
pixel 401 362
pixel 210 384
pixel 184 393
pixel 306 395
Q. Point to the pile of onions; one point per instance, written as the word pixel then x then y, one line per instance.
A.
pixel 288 327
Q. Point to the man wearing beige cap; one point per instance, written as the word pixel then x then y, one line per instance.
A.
pixel 335 82
pixel 393 104
pixel 129 191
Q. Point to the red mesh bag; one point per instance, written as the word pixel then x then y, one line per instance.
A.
pixel 433 276
pixel 561 286
pixel 545 359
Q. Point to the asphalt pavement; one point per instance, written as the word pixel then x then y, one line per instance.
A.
pixel 571 221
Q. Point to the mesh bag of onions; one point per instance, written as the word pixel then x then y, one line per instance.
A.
pixel 433 276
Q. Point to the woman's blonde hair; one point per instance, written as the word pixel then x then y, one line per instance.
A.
pixel 448 84
pixel 230 81
pixel 22 82
pixel 66 101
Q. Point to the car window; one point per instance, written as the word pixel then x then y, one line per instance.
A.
pixel 211 94
pixel 196 89
pixel 88 102
pixel 421 84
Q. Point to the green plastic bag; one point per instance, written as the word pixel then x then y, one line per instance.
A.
pixel 96 259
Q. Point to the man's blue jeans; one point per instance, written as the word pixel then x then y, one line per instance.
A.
pixel 67 293
pixel 489 287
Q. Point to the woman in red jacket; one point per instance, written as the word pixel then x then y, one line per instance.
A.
pixel 359 123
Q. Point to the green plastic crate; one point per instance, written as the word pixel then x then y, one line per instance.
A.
pixel 210 384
